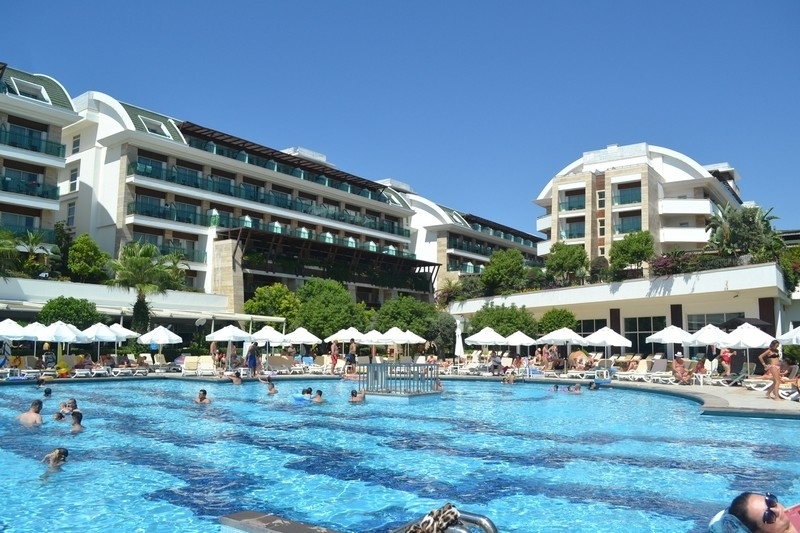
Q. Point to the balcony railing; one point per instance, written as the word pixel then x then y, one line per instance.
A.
pixel 28 142
pixel 190 254
pixel 628 225
pixel 471 247
pixel 226 187
pixel 576 231
pixel 28 187
pixel 573 204
pixel 20 232
pixel 628 196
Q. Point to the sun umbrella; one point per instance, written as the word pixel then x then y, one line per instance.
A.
pixel 459 349
pixel 670 335
pixel 708 335
pixel 344 334
pixel 32 332
pixel 11 331
pixel 607 338
pixel 229 334
pixel 371 337
pixel 60 332
pixel 486 337
pixel 748 336
pixel 413 338
pixel 122 334
pixel 562 336
pixel 98 333
pixel 302 336
pixel 394 335
pixel 790 337
pixel 520 339
pixel 160 335
pixel 269 334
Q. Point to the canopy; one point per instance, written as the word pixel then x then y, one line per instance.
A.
pixel 229 334
pixel 709 334
pixel 562 336
pixel 520 339
pixel 670 335
pixel 371 337
pixel 394 336
pixel 268 334
pixel 160 335
pixel 302 336
pixel 738 321
pixel 11 331
pixel 123 332
pixel 749 336
pixel 459 348
pixel 60 332
pixel 344 335
pixel 606 336
pixel 413 338
pixel 790 337
pixel 99 332
pixel 486 337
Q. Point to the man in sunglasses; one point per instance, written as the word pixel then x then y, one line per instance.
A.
pixel 760 513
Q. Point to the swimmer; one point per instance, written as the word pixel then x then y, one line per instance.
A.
pixel 31 417
pixel 77 418
pixel 270 385
pixel 59 417
pixel 56 458
pixel 593 386
pixel 576 389
pixel 236 378
pixel 356 396
pixel 307 393
pixel 48 392
pixel 202 397
pixel 317 397
pixel 554 388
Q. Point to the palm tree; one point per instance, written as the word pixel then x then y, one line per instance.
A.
pixel 721 238
pixel 141 267
pixel 8 252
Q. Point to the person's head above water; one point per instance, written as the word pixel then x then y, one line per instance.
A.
pixel 761 513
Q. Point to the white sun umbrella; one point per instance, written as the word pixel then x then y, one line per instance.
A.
pixel 413 338
pixel 394 335
pixel 748 336
pixel 122 334
pixel 270 335
pixel 670 335
pixel 229 334
pixel 60 332
pixel 562 336
pixel 708 335
pixel 790 337
pixel 32 332
pixel 487 337
pixel 344 334
pixel 373 336
pixel 607 338
pixel 520 339
pixel 459 349
pixel 160 335
pixel 11 331
pixel 98 333
pixel 302 336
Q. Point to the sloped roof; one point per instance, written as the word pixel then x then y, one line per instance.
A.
pixel 135 112
pixel 58 96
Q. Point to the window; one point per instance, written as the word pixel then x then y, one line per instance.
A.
pixel 601 199
pixel 602 250
pixel 71 214
pixel 73 179
pixel 155 127
pixel 30 90
pixel 76 144
pixel 601 227
pixel 696 322
pixel 637 329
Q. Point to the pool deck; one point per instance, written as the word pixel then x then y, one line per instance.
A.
pixel 713 399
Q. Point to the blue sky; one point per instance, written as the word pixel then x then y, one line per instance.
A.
pixel 475 104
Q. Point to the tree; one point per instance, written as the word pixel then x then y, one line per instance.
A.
pixel 63 241
pixel 748 230
pixel 556 319
pixel 87 262
pixel 504 320
pixel 634 249
pixel 505 273
pixel 721 237
pixel 564 260
pixel 405 313
pixel 789 262
pixel 274 300
pixel 442 331
pixel 175 263
pixel 448 292
pixel 32 244
pixel 79 312
pixel 8 253
pixel 141 267
pixel 327 306
pixel 471 287
pixel 598 271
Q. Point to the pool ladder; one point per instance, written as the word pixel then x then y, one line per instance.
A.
pixel 469 519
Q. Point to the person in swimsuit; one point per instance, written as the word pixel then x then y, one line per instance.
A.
pixel 772 369
pixel 334 355
pixel 761 513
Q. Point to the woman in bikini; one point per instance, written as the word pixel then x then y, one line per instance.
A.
pixel 772 369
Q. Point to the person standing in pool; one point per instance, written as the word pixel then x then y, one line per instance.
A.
pixel 56 458
pixel 77 418
pixel 202 397
pixel 31 417
pixel 356 396
pixel 317 397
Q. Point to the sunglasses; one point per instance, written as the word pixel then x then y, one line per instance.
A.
pixel 770 516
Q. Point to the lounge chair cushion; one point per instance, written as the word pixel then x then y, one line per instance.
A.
pixel 726 523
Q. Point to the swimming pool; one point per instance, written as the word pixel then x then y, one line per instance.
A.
pixel 530 459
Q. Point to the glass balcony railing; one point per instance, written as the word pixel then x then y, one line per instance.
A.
pixel 226 187
pixel 28 187
pixel 190 254
pixel 32 143
pixel 471 247
pixel 628 196
pixel 574 231
pixel 575 203
pixel 628 225
pixel 20 232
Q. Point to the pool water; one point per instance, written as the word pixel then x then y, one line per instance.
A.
pixel 151 460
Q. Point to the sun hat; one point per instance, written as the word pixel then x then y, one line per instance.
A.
pixel 678 354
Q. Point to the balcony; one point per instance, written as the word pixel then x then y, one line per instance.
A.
pixel 20 232
pixel 28 187
pixel 544 222
pixel 628 225
pixel 190 254
pixel 543 248
pixel 224 186
pixel 687 206
pixel 684 235
pixel 471 247
pixel 628 196
pixel 573 203
pixel 573 231
pixel 32 143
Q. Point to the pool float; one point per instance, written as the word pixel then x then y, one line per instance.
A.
pixel 300 398
pixel 602 378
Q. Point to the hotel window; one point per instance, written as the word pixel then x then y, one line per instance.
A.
pixel 601 227
pixel 155 127
pixel 71 214
pixel 30 90
pixel 76 144
pixel 73 179
pixel 601 199
pixel 637 329
pixel 602 250
pixel 696 322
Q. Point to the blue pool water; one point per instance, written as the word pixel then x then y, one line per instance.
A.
pixel 151 460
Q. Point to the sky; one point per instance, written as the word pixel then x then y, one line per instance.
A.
pixel 475 104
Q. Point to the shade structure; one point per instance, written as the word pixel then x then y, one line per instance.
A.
pixel 734 323
pixel 123 332
pixel 606 336
pixel 486 337
pixel 562 336
pixel 302 336
pixel 60 332
pixel 11 331
pixel 394 335
pixel 708 335
pixel 344 335
pixel 229 333
pixel 160 335
pixel 790 337
pixel 269 334
pixel 373 336
pixel 670 335
pixel 32 332
pixel 413 338
pixel 458 351
pixel 99 332
pixel 748 336
pixel 520 339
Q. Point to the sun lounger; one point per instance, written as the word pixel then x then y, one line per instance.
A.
pixel 117 372
pixel 81 373
pixel 735 379
pixel 637 374
pixel 277 364
pixel 100 372
pixel 190 363
pixel 206 366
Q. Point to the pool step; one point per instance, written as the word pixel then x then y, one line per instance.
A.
pixel 255 522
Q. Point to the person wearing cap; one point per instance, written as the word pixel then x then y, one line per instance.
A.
pixel 679 370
